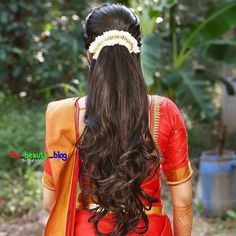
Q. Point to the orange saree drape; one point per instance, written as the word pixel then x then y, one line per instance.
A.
pixel 61 176
pixel 169 132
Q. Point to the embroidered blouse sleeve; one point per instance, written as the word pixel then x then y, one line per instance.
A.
pixel 175 164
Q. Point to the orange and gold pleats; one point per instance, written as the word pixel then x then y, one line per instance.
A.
pixel 73 190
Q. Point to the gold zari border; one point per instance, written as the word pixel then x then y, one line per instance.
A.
pixel 153 210
pixel 178 176
pixel 47 181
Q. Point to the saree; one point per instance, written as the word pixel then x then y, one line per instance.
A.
pixel 67 217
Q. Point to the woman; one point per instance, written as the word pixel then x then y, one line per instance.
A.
pixel 116 140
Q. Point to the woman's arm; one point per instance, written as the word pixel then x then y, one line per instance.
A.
pixel 48 199
pixel 182 208
pixel 176 165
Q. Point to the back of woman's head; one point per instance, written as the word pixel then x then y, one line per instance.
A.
pixel 117 150
pixel 110 17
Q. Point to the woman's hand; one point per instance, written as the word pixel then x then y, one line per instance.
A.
pixel 182 208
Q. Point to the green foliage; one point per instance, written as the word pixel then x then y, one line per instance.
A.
pixel 184 73
pixel 150 53
pixel 231 214
pixel 192 93
pixel 221 50
pixel 21 128
pixel 146 15
pixel 217 22
pixel 20 192
pixel 198 208
pixel 41 45
pixel 42 55
pixel 201 137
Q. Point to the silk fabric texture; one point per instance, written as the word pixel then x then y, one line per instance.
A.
pixel 169 132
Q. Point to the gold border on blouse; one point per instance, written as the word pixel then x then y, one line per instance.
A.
pixel 153 210
pixel 180 175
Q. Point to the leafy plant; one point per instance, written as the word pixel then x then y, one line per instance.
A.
pixel 231 214
pixel 217 22
pixel 177 55
pixel 223 51
pixel 150 52
pixel 19 192
pixel 40 46
pixel 21 129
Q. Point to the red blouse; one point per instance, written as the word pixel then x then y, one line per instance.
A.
pixel 169 132
pixel 171 139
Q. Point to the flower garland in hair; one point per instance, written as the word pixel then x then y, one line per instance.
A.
pixel 112 37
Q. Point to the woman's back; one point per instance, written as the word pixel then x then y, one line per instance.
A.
pixel 169 132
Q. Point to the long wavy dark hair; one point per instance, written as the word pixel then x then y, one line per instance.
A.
pixel 117 150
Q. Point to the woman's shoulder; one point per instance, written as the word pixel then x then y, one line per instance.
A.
pixel 62 106
pixel 82 102
pixel 68 103
pixel 60 120
pixel 169 113
pixel 166 103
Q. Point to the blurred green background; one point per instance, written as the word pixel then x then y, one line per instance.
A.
pixel 188 54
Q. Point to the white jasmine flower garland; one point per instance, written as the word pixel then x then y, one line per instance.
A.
pixel 112 37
